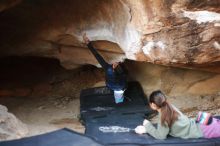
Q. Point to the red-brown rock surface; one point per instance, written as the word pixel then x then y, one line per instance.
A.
pixel 171 32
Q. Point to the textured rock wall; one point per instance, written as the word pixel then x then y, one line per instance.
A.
pixel 190 90
pixel 175 81
pixel 10 126
pixel 181 33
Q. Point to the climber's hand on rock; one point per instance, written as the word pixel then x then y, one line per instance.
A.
pixel 85 38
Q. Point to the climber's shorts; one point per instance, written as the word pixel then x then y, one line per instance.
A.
pixel 119 96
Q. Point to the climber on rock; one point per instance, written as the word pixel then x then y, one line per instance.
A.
pixel 115 74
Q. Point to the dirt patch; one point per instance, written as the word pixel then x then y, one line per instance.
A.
pixel 52 101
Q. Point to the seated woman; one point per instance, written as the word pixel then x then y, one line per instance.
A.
pixel 175 123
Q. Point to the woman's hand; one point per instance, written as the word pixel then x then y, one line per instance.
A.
pixel 145 122
pixel 85 38
pixel 140 129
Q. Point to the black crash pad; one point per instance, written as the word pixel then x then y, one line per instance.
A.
pixel 63 137
pixel 98 112
pixel 130 137
pixel 66 137
pixel 99 102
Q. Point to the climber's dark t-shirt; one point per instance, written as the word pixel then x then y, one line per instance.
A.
pixel 116 79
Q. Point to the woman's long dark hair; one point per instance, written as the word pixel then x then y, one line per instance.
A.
pixel 168 114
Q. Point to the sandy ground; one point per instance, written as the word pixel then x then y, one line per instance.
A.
pixel 51 102
pixel 44 114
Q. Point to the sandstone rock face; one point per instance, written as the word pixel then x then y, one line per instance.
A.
pixel 175 81
pixel 185 88
pixel 10 126
pixel 170 32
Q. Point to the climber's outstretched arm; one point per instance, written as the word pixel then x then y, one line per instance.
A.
pixel 98 57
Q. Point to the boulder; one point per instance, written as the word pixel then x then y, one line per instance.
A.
pixel 178 33
pixel 10 126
